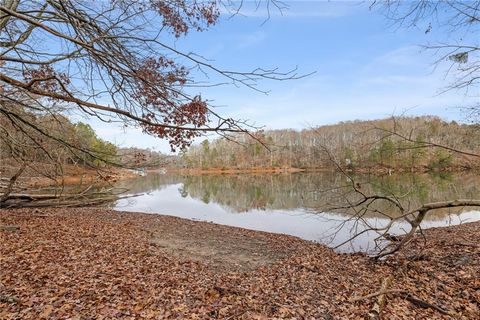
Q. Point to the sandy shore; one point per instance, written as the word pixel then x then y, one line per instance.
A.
pixel 103 264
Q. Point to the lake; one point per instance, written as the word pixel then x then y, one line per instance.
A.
pixel 299 204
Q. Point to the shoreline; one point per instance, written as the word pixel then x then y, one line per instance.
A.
pixel 90 262
pixel 218 171
pixel 289 170
pixel 83 176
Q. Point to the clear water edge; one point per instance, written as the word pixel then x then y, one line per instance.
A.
pixel 251 202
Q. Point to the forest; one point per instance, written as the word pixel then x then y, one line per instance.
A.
pixel 70 146
pixel 66 143
pixel 398 144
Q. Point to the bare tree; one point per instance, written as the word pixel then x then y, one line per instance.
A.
pixel 361 202
pixel 459 56
pixel 459 20
pixel 114 61
pixel 108 60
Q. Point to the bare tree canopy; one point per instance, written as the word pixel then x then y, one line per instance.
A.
pixel 458 56
pixel 112 60
pixel 458 22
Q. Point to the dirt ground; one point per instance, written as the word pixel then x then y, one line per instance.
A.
pixel 221 248
pixel 103 264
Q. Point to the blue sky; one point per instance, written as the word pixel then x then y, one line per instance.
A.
pixel 364 69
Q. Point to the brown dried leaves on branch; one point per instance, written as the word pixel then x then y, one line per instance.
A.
pixel 119 51
pixel 180 16
pixel 167 102
pixel 95 263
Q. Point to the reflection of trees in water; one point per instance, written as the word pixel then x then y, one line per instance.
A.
pixel 413 190
pixel 148 183
pixel 244 192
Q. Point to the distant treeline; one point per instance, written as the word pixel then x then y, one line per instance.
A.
pixel 52 141
pixel 402 144
pixel 145 158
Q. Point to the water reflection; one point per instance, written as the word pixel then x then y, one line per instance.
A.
pixel 289 203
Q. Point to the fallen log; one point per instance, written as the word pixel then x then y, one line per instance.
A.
pixel 29 196
pixel 70 200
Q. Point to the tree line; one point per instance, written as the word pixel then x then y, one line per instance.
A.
pixel 68 144
pixel 396 143
pixel 49 142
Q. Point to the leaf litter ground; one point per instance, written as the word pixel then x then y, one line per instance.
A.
pixel 101 264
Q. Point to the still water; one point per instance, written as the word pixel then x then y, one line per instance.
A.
pixel 298 204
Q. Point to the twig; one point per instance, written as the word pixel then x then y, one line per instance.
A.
pixel 376 294
pixel 8 299
pixel 376 311
pixel 12 228
pixel 407 296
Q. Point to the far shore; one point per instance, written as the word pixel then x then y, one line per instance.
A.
pixel 379 170
pixel 81 176
pixel 78 175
